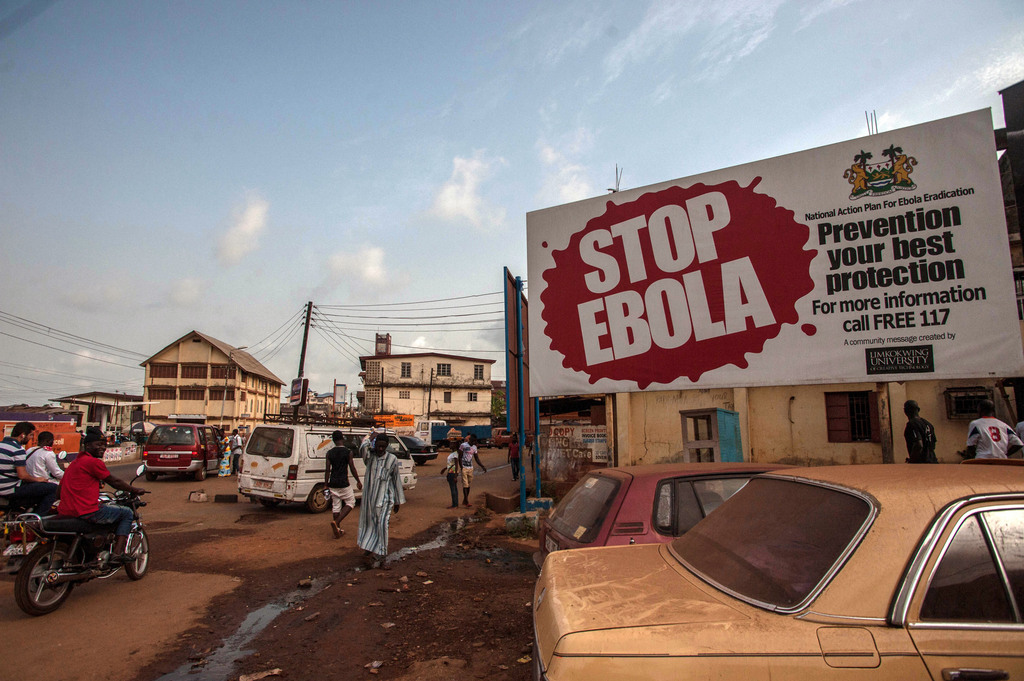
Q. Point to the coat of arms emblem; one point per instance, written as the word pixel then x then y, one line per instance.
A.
pixel 879 179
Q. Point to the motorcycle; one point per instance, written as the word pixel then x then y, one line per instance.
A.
pixel 69 551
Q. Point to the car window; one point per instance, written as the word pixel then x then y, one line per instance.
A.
pixel 582 511
pixel 676 507
pixel 396 447
pixel 966 585
pixel 172 435
pixel 1007 529
pixel 271 442
pixel 712 493
pixel 775 540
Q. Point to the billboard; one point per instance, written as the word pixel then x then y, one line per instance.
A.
pixel 884 258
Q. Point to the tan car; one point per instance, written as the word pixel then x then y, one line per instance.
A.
pixel 840 572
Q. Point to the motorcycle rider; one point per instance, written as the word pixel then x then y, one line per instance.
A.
pixel 79 493
pixel 16 483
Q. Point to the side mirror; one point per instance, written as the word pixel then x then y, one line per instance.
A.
pixel 140 470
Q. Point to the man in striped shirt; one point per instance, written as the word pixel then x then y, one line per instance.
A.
pixel 16 483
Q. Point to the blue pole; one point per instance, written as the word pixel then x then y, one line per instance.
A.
pixel 521 425
pixel 536 441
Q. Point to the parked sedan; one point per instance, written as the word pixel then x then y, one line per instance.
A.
pixel 421 451
pixel 837 572
pixel 641 504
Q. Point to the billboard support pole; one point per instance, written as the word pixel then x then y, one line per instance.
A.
pixel 521 425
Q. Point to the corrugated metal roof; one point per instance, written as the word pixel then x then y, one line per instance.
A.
pixel 243 359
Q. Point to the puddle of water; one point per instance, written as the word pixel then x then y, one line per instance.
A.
pixel 219 664
pixel 443 537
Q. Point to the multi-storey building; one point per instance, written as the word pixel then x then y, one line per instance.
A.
pixel 199 379
pixel 453 388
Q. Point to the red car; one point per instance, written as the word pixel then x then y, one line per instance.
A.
pixel 641 504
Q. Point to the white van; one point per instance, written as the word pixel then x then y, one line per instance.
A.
pixel 424 427
pixel 287 463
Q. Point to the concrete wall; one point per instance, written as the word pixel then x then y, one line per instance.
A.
pixel 787 424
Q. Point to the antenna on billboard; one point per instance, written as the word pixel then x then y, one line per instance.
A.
pixel 872 119
pixel 618 178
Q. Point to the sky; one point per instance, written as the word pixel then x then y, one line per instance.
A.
pixel 214 166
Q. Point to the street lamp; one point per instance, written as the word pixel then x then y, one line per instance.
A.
pixel 227 370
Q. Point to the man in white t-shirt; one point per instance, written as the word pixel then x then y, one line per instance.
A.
pixel 42 461
pixel 990 438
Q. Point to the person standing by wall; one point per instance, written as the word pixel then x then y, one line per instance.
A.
pixel 990 438
pixel 343 498
pixel 382 495
pixel 919 434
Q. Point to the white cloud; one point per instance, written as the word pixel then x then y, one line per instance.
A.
pixel 248 222
pixel 459 198
pixel 565 179
pixel 728 30
pixel 995 71
pixel 363 267
pixel 187 291
pixel 811 13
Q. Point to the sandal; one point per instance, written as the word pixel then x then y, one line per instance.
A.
pixel 336 530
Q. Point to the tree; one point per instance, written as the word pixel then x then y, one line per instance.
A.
pixel 892 152
pixel 498 407
pixel 862 158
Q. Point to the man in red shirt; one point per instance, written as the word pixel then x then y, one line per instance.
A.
pixel 80 493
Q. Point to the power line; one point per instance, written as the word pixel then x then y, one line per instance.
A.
pixel 63 336
pixel 76 354
pixel 275 331
pixel 378 316
pixel 414 302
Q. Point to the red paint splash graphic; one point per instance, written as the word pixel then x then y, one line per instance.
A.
pixel 676 283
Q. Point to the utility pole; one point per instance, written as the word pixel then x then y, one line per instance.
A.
pixel 430 392
pixel 302 354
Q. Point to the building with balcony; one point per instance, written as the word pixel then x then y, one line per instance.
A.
pixel 199 379
pixel 453 388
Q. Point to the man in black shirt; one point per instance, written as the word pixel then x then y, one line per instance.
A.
pixel 343 499
pixel 919 434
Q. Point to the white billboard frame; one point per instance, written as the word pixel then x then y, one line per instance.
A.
pixel 883 258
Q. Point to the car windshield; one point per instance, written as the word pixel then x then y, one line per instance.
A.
pixel 172 435
pixel 414 441
pixel 579 515
pixel 273 442
pixel 775 540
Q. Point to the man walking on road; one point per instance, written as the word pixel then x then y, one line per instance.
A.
pixel 467 453
pixel 382 494
pixel 990 438
pixel 343 499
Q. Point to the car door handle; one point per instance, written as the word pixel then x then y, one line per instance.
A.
pixel 974 674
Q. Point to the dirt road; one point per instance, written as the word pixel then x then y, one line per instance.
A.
pixel 236 588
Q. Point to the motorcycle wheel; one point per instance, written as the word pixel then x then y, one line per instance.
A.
pixel 33 595
pixel 317 501
pixel 137 569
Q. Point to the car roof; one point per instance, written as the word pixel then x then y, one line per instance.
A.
pixel 663 470
pixel 907 498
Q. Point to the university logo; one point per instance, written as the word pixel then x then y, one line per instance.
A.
pixel 879 179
